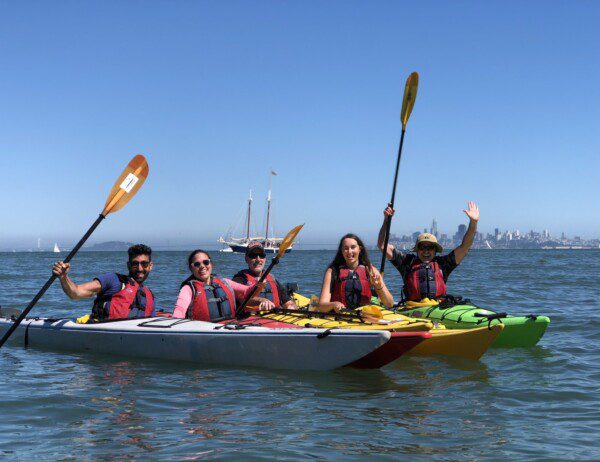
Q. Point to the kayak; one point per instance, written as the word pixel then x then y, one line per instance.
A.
pixel 519 331
pixel 216 344
pixel 470 344
pixel 400 342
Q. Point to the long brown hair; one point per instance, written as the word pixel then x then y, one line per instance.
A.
pixel 338 260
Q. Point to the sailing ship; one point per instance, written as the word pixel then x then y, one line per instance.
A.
pixel 56 249
pixel 240 244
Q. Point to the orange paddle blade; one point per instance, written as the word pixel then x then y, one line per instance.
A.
pixel 288 240
pixel 410 94
pixel 127 185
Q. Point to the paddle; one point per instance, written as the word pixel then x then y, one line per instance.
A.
pixel 347 316
pixel 288 240
pixel 410 93
pixel 124 189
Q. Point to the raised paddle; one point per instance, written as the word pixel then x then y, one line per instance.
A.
pixel 410 93
pixel 127 185
pixel 288 240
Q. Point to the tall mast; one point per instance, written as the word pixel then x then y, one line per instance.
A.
pixel 272 173
pixel 249 211
pixel 268 212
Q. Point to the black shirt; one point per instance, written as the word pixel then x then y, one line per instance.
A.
pixel 283 295
pixel 404 262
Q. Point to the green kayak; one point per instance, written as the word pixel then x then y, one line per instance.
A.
pixel 519 331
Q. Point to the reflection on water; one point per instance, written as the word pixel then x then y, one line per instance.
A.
pixel 540 402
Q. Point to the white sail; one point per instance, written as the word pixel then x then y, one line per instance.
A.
pixel 56 249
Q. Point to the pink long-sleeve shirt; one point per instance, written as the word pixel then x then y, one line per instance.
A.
pixel 184 298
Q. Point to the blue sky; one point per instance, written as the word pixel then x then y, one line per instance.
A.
pixel 217 93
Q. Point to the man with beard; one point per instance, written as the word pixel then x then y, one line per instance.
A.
pixel 274 291
pixel 118 296
pixel 425 274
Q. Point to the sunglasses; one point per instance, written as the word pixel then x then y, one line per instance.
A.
pixel 252 256
pixel 197 264
pixel 136 264
pixel 426 247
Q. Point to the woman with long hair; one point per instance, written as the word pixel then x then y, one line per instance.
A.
pixel 206 297
pixel 351 279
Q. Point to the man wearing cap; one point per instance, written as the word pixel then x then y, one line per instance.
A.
pixel 274 291
pixel 425 274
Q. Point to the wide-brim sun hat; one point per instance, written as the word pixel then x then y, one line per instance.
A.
pixel 428 237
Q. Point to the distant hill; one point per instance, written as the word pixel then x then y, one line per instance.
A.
pixel 108 246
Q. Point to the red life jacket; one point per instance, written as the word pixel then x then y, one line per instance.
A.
pixel 271 292
pixel 125 303
pixel 211 302
pixel 352 288
pixel 424 280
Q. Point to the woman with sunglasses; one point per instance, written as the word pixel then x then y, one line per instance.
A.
pixel 351 280
pixel 425 274
pixel 206 297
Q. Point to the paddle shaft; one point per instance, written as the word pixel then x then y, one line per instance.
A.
pixel 46 286
pixel 319 314
pixel 240 309
pixel 389 220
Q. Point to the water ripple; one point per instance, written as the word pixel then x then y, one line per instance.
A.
pixel 539 403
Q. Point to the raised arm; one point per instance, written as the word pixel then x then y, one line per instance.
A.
pixel 388 213
pixel 473 213
pixel 381 289
pixel 74 291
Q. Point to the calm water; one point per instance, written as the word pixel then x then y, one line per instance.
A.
pixel 541 402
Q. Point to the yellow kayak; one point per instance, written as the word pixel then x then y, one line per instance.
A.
pixel 398 323
pixel 471 343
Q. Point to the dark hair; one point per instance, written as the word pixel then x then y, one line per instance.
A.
pixel 338 260
pixel 139 249
pixel 197 251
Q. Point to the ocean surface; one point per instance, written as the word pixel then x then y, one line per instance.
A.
pixel 537 403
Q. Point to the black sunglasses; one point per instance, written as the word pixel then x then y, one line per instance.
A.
pixel 426 247
pixel 136 264
pixel 197 264
pixel 259 255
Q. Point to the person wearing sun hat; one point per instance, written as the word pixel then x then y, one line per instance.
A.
pixel 425 274
pixel 273 291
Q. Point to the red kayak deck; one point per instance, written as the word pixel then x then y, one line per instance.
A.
pixel 400 343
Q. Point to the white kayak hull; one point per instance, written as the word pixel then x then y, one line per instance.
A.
pixel 201 342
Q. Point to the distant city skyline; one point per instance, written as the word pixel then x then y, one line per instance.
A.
pixel 448 237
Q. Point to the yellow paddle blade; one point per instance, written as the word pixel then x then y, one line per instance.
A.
pixel 372 310
pixel 127 185
pixel 410 94
pixel 288 240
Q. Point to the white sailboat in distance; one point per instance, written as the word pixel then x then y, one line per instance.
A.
pixel 56 249
pixel 271 244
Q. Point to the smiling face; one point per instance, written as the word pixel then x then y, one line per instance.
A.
pixel 139 268
pixel 426 252
pixel 351 252
pixel 256 262
pixel 201 267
